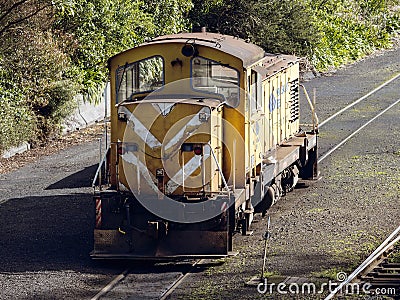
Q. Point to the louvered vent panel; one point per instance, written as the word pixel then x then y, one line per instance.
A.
pixel 294 100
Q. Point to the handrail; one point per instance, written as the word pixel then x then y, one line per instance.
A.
pixel 96 176
pixel 315 120
pixel 220 170
pixel 387 244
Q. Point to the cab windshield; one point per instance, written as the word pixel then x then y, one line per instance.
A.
pixel 213 77
pixel 142 76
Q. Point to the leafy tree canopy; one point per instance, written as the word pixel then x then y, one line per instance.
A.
pixel 277 25
pixel 102 28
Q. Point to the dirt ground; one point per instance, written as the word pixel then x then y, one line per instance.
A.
pixel 93 132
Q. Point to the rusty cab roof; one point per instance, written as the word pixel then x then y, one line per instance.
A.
pixel 247 52
pixel 250 54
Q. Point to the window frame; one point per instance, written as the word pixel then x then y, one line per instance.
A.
pixel 225 100
pixel 122 70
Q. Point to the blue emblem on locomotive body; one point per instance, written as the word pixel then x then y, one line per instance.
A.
pixel 275 98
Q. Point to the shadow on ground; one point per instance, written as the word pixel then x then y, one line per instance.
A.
pixel 56 233
pixel 79 179
pixel 46 233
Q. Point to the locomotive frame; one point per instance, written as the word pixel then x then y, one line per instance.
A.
pixel 205 132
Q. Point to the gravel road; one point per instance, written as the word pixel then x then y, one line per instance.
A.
pixel 46 225
pixel 46 209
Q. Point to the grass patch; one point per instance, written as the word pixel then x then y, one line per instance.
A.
pixel 330 274
pixel 394 257
pixel 371 173
pixel 268 274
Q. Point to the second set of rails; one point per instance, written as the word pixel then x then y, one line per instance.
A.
pixel 377 274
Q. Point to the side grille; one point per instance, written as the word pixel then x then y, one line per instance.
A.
pixel 294 100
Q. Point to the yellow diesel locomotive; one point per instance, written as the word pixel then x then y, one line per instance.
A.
pixel 205 133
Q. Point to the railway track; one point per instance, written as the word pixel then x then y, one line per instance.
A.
pixel 127 282
pixel 178 281
pixel 157 281
pixel 340 144
pixel 379 274
pixel 358 115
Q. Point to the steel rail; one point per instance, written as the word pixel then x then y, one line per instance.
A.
pixel 111 285
pixel 179 280
pixel 359 100
pixel 384 247
pixel 357 131
pixel 170 289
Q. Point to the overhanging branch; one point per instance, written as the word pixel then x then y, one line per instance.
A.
pixel 10 24
pixel 11 8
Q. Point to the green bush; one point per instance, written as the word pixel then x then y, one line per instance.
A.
pixel 35 94
pixel 349 30
pixel 52 50
pixel 16 120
